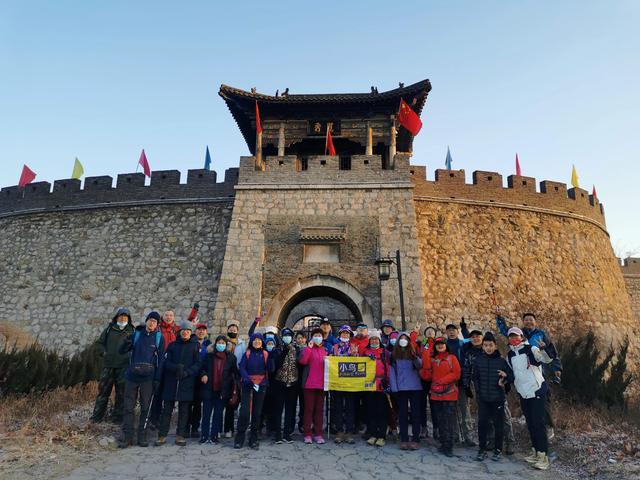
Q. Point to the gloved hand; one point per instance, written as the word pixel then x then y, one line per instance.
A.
pixel 372 357
pixel 256 387
pixel 468 392
pixel 463 324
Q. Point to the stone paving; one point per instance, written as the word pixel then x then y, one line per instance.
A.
pixel 297 460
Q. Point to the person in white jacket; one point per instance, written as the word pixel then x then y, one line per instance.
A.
pixel 526 362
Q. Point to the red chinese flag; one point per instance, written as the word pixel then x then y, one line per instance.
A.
pixel 328 146
pixel 144 164
pixel 258 125
pixel 409 119
pixel 27 176
pixel 518 171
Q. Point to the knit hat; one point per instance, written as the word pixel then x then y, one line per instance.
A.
pixel 514 330
pixel 153 315
pixel 387 323
pixel 345 328
pixel 374 334
pixel 186 325
pixel 489 337
pixel 287 331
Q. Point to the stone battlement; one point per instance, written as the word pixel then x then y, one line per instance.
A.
pixel 520 191
pixel 631 266
pixel 324 169
pixel 130 187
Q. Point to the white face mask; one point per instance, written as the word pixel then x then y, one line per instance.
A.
pixel 403 342
pixel 122 325
pixel 287 339
pixel 344 340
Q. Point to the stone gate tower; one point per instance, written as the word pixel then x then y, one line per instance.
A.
pixel 308 225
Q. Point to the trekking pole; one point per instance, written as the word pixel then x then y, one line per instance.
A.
pixel 329 414
pixel 146 420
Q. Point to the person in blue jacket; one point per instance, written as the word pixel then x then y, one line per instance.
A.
pixel 328 340
pixel 146 350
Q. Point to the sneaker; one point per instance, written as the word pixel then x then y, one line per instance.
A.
pixel 287 439
pixel 532 457
pixel 497 455
pixel 380 442
pixel 278 441
pixel 372 441
pixel 319 440
pixel 348 438
pixel 543 461
pixel 203 440
pixel 482 455
pixel 181 441
pixel 550 433
pixel 339 438
pixel 308 440
pixel 160 441
pixel 228 434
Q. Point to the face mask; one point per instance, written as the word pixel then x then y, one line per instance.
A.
pixel 317 340
pixel 403 342
pixel 269 348
pixel 220 347
pixel 232 334
pixel 515 341
pixel 393 341
pixel 374 346
pixel 344 340
pixel 121 325
pixel 287 339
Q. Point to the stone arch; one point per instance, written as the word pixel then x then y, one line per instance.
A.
pixel 316 286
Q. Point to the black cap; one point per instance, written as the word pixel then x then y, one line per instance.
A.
pixel 475 332
pixel 325 320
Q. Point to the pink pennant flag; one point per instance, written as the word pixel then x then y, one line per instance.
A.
pixel 518 171
pixel 27 176
pixel 144 164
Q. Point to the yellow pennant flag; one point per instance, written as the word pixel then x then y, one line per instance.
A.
pixel 574 178
pixel 350 374
pixel 78 170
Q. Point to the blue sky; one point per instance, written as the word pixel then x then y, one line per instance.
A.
pixel 555 81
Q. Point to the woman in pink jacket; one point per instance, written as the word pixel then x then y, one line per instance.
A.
pixel 312 357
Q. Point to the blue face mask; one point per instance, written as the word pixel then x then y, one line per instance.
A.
pixel 269 348
pixel 220 347
pixel 393 341
pixel 287 339
pixel 317 340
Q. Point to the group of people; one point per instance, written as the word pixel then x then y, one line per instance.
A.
pixel 276 379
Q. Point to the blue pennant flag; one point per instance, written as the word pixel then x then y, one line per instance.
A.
pixel 207 160
pixel 448 160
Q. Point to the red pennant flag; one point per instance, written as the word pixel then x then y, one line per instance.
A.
pixel 518 171
pixel 144 164
pixel 595 195
pixel 27 176
pixel 258 125
pixel 328 146
pixel 409 119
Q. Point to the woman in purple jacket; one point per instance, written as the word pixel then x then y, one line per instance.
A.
pixel 404 378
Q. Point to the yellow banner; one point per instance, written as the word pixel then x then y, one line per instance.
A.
pixel 349 374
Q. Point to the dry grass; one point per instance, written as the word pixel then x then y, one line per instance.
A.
pixel 11 335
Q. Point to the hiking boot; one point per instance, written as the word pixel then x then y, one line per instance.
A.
pixel 339 438
pixel 543 461
pixel 372 441
pixel 482 455
pixel 125 442
pixel 414 446
pixel 348 438
pixel 142 439
pixel 404 445
pixel 181 441
pixel 380 442
pixel 160 441
pixel 497 455
pixel 287 439
pixel 532 457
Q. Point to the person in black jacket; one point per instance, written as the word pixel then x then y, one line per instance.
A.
pixel 490 374
pixel 181 366
pixel 219 373
pixel 285 387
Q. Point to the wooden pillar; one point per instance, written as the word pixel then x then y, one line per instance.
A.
pixel 392 144
pixel 281 140
pixel 369 150
pixel 259 162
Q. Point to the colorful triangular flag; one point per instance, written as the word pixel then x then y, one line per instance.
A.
pixel 448 160
pixel 27 176
pixel 518 171
pixel 144 163
pixel 78 170
pixel 207 160
pixel 574 178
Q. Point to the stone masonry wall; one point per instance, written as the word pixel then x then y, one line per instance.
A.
pixel 63 274
pixel 562 268
pixel 631 274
